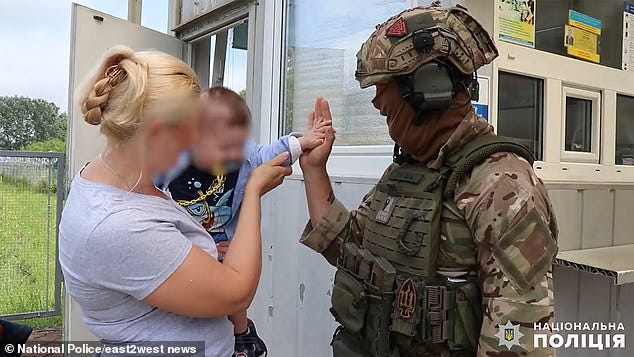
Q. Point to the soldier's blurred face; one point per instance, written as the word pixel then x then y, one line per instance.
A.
pixel 419 139
pixel 388 99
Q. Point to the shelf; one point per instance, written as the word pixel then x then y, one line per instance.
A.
pixel 615 262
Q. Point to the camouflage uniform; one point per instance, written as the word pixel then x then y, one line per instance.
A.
pixel 497 224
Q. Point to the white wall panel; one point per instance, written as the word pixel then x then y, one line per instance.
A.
pixel 623 222
pixel 598 216
pixel 292 305
pixel 566 289
pixel 568 209
pixel 594 304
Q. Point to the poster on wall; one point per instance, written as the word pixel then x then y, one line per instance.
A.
pixel 628 41
pixel 517 21
pixel 582 44
pixel 581 36
pixel 482 105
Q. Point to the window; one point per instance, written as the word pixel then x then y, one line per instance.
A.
pixel 551 16
pixel 154 15
pixel 322 40
pixel 221 58
pixel 624 130
pixel 578 125
pixel 581 125
pixel 520 110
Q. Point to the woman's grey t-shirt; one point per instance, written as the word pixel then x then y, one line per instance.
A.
pixel 115 248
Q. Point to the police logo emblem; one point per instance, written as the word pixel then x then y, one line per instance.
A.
pixel 406 299
pixel 384 214
pixel 509 335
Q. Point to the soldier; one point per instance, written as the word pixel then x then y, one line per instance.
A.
pixel 451 253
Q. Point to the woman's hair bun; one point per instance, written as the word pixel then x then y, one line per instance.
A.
pixel 128 88
pixel 94 95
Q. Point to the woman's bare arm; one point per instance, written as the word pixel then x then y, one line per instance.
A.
pixel 203 287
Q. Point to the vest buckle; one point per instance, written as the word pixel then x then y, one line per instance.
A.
pixel 436 302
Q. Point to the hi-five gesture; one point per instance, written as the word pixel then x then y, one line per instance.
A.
pixel 318 156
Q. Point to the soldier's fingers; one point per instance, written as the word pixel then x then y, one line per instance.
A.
pixel 330 135
pixel 325 109
pixel 311 119
pixel 318 108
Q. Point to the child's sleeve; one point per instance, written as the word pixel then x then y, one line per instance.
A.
pixel 260 153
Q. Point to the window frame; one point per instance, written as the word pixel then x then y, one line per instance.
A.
pixel 617 95
pixel 594 97
pixel 541 107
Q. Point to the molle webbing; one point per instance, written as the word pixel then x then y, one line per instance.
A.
pixel 474 153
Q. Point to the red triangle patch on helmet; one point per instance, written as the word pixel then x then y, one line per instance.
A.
pixel 399 28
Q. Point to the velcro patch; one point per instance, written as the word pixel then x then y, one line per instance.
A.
pixel 526 252
pixel 399 28
pixel 406 176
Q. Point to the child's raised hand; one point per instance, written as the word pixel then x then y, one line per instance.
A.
pixel 315 134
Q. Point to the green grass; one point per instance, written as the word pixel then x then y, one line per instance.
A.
pixel 41 322
pixel 24 232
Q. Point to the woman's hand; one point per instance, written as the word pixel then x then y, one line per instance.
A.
pixel 318 156
pixel 269 175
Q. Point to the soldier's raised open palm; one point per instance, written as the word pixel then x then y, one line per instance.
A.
pixel 318 156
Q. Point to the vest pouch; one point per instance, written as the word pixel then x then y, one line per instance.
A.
pixel 466 315
pixel 377 324
pixel 346 344
pixel 349 302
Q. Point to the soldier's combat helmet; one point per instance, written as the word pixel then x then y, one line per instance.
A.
pixel 420 35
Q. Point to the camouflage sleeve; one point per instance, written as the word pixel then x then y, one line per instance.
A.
pixel 336 226
pixel 509 214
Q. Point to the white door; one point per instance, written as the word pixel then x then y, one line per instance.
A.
pixel 92 33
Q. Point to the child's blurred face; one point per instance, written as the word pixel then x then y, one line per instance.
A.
pixel 219 142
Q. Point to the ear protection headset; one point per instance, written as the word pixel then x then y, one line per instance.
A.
pixel 434 85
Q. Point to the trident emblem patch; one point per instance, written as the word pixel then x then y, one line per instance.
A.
pixel 406 299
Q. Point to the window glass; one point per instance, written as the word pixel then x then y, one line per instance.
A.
pixel 551 16
pixel 520 110
pixel 624 130
pixel 221 58
pixel 578 125
pixel 323 38
pixel 154 14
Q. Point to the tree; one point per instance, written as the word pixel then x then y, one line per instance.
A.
pixel 54 145
pixel 24 121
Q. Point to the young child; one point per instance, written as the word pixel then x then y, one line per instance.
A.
pixel 212 195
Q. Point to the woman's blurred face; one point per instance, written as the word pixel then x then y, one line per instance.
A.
pixel 164 141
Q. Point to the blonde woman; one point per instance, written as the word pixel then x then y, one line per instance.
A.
pixel 138 265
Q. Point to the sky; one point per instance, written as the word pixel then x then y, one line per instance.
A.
pixel 35 36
